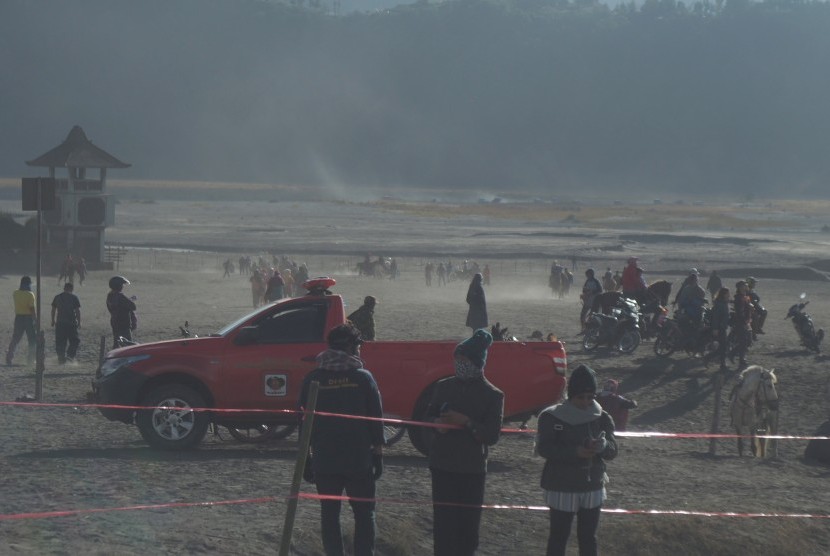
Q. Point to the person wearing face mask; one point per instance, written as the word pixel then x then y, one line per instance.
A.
pixel 576 438
pixel 472 408
pixel 346 454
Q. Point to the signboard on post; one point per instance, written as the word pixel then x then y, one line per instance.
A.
pixel 47 193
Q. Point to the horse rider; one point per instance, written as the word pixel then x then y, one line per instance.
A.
pixel 692 297
pixel 759 314
pixel 630 282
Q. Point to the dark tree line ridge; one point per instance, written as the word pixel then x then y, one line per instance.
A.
pixel 724 96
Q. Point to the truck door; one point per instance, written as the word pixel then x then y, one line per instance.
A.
pixel 266 371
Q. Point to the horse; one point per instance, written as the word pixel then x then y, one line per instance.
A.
pixel 753 406
pixel 661 289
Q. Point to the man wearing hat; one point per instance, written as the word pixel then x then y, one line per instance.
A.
pixel 363 318
pixel 759 314
pixel 469 411
pixel 616 405
pixel 576 438
pixel 632 285
pixel 24 320
pixel 346 454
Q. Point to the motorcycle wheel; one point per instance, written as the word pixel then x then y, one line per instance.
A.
pixel 590 341
pixel 629 341
pixel 666 341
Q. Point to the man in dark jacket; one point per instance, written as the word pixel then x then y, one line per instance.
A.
pixel 363 318
pixel 122 311
pixel 346 454
pixel 458 454
pixel 66 319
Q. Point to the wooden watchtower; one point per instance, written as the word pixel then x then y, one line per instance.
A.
pixel 83 209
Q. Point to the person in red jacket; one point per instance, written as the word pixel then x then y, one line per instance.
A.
pixel 615 405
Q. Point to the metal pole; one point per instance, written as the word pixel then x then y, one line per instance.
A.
pixel 299 465
pixel 102 349
pixel 716 417
pixel 40 349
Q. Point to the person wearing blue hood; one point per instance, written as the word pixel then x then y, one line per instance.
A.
pixel 576 438
pixel 24 320
pixel 346 454
pixel 458 454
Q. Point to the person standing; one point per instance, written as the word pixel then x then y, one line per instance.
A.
pixel 477 312
pixel 616 405
pixel 429 268
pixel 442 275
pixel 25 317
pixel 576 438
pixel 742 323
pixel 257 287
pixel 713 284
pixel 81 271
pixel 346 454
pixel 590 290
pixel 458 456
pixel 288 278
pixel 720 323
pixel 276 287
pixel 66 319
pixel 122 311
pixel 486 274
pixel 363 318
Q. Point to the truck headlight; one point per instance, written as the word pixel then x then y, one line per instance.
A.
pixel 109 366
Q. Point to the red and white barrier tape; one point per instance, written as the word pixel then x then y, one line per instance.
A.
pixel 403 422
pixel 311 496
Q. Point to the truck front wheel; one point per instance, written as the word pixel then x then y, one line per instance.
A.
pixel 171 423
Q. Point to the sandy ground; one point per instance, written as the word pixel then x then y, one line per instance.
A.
pixel 71 458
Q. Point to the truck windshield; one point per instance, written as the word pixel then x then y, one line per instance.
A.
pixel 224 331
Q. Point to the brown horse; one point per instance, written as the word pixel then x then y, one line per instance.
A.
pixel 661 289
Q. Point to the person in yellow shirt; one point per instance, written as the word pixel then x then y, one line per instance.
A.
pixel 24 320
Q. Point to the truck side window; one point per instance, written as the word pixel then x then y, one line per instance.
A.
pixel 294 325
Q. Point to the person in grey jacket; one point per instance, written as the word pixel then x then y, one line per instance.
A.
pixel 576 438
pixel 458 455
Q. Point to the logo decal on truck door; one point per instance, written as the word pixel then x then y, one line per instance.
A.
pixel 275 385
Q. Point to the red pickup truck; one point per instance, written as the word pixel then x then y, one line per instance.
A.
pixel 256 365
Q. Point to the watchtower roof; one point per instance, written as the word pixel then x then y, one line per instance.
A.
pixel 77 152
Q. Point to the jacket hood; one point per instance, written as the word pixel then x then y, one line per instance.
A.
pixel 336 360
pixel 572 415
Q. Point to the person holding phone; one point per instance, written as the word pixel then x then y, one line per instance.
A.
pixel 576 438
pixel 471 409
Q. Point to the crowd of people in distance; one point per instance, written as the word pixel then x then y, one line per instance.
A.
pixel 449 272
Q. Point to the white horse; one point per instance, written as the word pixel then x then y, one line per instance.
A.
pixel 753 405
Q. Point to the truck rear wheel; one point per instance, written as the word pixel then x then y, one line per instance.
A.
pixel 420 436
pixel 170 422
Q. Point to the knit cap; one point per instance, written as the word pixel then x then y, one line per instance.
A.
pixel 583 379
pixel 475 347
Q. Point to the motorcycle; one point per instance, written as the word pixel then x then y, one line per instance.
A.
pixel 680 332
pixel 620 329
pixel 803 324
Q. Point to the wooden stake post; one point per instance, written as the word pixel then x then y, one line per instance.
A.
pixel 299 465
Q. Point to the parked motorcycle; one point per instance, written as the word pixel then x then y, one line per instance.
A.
pixel 620 329
pixel 803 324
pixel 680 332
